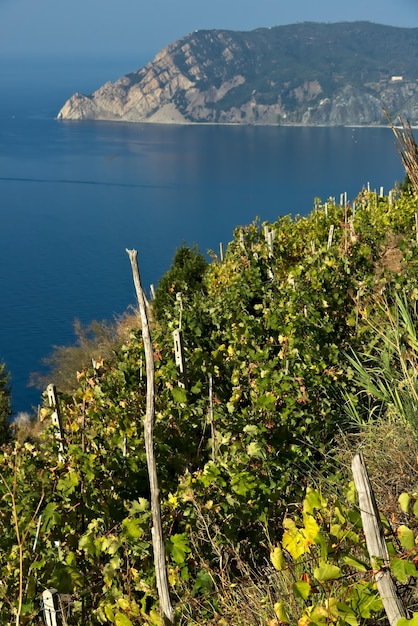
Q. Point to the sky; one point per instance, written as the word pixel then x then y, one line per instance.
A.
pixel 140 28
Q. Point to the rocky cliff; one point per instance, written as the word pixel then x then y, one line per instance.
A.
pixel 309 74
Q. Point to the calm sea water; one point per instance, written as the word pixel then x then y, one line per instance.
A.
pixel 74 195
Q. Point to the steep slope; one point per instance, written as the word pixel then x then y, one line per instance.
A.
pixel 313 74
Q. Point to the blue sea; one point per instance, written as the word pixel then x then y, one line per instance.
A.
pixel 75 195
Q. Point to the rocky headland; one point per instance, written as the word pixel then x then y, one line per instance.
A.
pixel 309 74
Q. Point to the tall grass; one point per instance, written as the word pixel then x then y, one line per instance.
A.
pixel 388 372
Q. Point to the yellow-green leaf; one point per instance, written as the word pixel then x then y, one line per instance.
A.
pixel 327 572
pixel 403 621
pixel 301 589
pixel 109 613
pixel 313 500
pixel 122 620
pixel 280 612
pixel 311 528
pixel 404 502
pixel 406 537
pixel 154 618
pixel 277 558
pixel 254 450
pixel 293 539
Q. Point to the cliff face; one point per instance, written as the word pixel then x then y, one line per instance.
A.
pixel 309 74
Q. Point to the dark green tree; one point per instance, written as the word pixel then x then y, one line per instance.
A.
pixel 185 275
pixel 5 405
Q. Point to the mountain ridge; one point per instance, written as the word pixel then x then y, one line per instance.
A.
pixel 311 73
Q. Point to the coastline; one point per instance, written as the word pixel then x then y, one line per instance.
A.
pixel 237 124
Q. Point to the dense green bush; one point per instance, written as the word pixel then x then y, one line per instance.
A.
pixel 184 276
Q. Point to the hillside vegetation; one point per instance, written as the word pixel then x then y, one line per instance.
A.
pixel 259 524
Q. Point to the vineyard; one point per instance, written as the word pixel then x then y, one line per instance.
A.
pixel 302 334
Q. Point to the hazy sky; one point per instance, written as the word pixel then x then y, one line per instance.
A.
pixel 116 28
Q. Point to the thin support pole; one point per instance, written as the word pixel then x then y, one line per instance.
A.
pixel 157 532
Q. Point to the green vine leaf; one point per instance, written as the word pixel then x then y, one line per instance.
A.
pixel 402 570
pixel 356 564
pixel 326 572
pixel 179 548
pixel 179 395
pixel 403 621
pixel 133 528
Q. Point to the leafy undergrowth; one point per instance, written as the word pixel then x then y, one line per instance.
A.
pixel 267 333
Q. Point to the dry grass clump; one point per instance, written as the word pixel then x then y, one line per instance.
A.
pixel 407 148
pixel 98 340
pixel 240 592
pixel 390 450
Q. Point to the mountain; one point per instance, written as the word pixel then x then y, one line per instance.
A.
pixel 308 73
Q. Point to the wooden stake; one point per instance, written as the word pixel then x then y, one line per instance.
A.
pixel 211 418
pixel 376 544
pixel 179 357
pixel 56 420
pixel 157 532
pixel 330 236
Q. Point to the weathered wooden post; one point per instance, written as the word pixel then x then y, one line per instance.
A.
pixel 56 421
pixel 242 240
pixel 211 418
pixel 51 608
pixel 156 531
pixel 179 347
pixel 38 528
pixel 376 544
pixel 330 236
pixel 179 357
pixel 343 199
pixel 269 236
